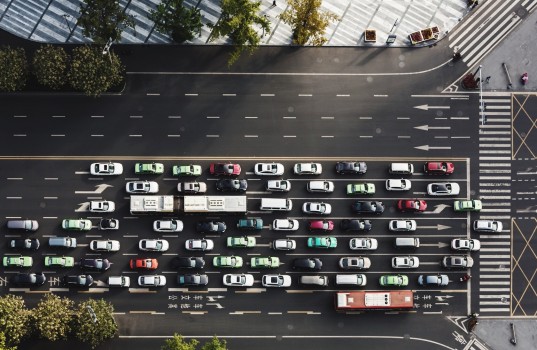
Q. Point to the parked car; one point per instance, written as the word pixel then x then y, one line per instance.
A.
pixel 144 186
pixel 276 281
pixel 278 186
pixel 102 206
pixel 402 225
pixel 238 280
pixel 153 245
pixel 443 189
pixel 192 280
pixel 469 205
pixel 316 208
pixel 355 225
pixel 405 262
pixel 24 243
pixel 168 225
pixel 148 168
pixel 393 280
pixel 360 188
pixel 308 169
pixel 363 244
pixel 368 207
pixel 412 205
pixel 76 224
pixel 398 185
pixel 231 185
pixel 488 226
pixel 108 168
pixel 151 281
pixel 268 169
pixel 224 169
pixel 438 168
pixel 192 262
pixel 285 225
pixel 101 245
pixel 355 263
pixel 463 244
pixel 29 279
pixel 200 244
pixel 211 226
pixel 433 280
pixel 351 167
pixel 283 244
pixel 78 280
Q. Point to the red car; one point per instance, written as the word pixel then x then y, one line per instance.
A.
pixel 416 205
pixel 438 168
pixel 225 169
pixel 150 264
pixel 321 225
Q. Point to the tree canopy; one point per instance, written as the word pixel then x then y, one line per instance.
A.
pixel 53 317
pixel 13 69
pixel 14 318
pixel 49 65
pixel 102 20
pixel 174 19
pixel 104 327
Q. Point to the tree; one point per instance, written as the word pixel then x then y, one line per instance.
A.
pixel 14 318
pixel 13 69
pixel 53 317
pixel 307 21
pixel 174 19
pixel 3 345
pixel 236 21
pixel 95 330
pixel 102 20
pixel 178 343
pixel 94 72
pixel 215 344
pixel 50 65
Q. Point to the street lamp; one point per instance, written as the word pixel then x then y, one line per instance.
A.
pixel 391 37
pixel 481 102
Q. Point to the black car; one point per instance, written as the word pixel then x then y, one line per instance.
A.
pixel 29 279
pixel 95 264
pixel 108 224
pixel 368 207
pixel 24 243
pixel 78 280
pixel 211 226
pixel 351 167
pixel 307 263
pixel 355 225
pixel 231 185
pixel 193 262
pixel 192 280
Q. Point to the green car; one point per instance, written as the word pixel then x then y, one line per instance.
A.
pixel 227 261
pixel 471 205
pixel 76 224
pixel 149 168
pixel 61 261
pixel 18 261
pixel 322 242
pixel 393 280
pixel 240 242
pixel 250 223
pixel 186 170
pixel 360 188
pixel 265 262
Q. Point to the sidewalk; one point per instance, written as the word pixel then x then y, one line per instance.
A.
pixel 496 333
pixel 55 21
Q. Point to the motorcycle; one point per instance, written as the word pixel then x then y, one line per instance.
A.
pixel 524 78
pixel 465 278
pixel 457 56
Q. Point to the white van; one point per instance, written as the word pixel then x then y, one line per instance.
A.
pixel 407 242
pixel 119 281
pixel 283 204
pixel 320 186
pixel 401 168
pixel 357 279
pixel 26 225
pixel 316 280
pixel 62 242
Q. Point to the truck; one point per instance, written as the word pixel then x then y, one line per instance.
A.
pixel 149 204
pixel 374 300
pixel 214 204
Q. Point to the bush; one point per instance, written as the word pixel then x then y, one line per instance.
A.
pixel 50 64
pixel 13 69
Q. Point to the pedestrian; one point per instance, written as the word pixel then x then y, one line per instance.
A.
pixel 487 79
pixel 274 3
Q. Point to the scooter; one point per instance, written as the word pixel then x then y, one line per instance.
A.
pixel 457 56
pixel 465 278
pixel 524 78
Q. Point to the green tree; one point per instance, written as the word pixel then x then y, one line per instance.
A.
pixel 13 69
pixel 102 20
pixel 236 21
pixel 50 65
pixel 307 21
pixel 215 344
pixel 95 330
pixel 179 343
pixel 3 345
pixel 14 318
pixel 53 317
pixel 93 72
pixel 174 19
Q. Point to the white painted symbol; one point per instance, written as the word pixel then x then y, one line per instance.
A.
pixel 218 306
pixel 427 147
pixel 427 107
pixel 83 207
pixel 437 209
pixel 213 298
pixel 427 127
pixel 99 189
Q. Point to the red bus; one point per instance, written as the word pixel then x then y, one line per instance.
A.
pixel 374 300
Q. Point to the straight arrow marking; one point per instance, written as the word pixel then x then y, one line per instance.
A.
pixel 427 127
pixel 427 107
pixel 427 147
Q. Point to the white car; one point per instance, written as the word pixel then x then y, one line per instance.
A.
pixel 443 189
pixel 363 244
pixel 153 245
pixel 405 262
pixel 284 244
pixel 106 168
pixel 152 281
pixel 308 169
pixel 276 281
pixel 192 187
pixel 318 208
pixel 201 244
pixel 398 185
pixel 320 186
pixel 102 206
pixel 108 245
pixel 171 225
pixel 285 225
pixel 141 187
pixel 355 263
pixel 488 226
pixel 238 280
pixel 404 225
pixel 278 185
pixel 467 245
pixel 268 169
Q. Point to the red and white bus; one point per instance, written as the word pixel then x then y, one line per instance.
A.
pixel 374 300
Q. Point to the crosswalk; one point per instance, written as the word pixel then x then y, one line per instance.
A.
pixel 495 193
pixel 487 27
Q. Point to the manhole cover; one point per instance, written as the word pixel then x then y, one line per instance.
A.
pixel 522 12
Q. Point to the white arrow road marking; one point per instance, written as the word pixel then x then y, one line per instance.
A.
pixel 218 306
pixel 82 207
pixel 439 245
pixel 99 189
pixel 437 209
pixel 213 298
pixel 427 147
pixel 438 227
pixel 427 107
pixel 427 127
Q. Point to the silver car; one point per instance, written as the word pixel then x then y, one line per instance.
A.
pixel 404 225
pixel 284 244
pixel 308 169
pixel 285 225
pixel 268 169
pixel 102 206
pixel 108 168
pixel 141 187
pixel 276 281
pixel 363 244
pixel 398 185
pixel 278 185
pixel 405 262
pixel 170 225
pixel 443 189
pixel 488 226
pixel 152 281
